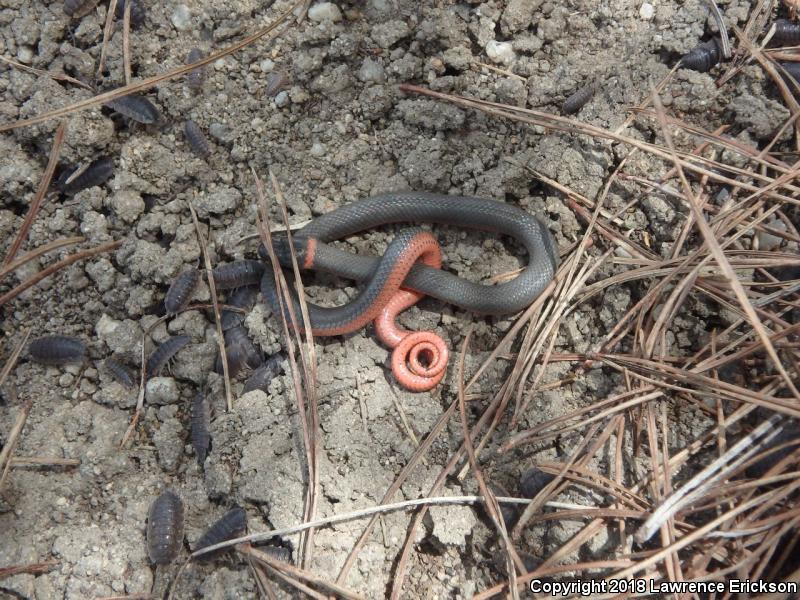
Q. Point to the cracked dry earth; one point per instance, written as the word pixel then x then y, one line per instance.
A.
pixel 320 107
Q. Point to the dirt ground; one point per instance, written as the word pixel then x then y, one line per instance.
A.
pixel 340 131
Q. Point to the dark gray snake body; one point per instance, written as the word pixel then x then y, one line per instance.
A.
pixel 418 208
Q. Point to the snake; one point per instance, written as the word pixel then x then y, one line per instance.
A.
pixel 410 269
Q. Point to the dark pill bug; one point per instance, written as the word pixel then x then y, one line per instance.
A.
pixel 704 57
pixel 197 139
pixel 195 77
pixel 240 351
pixel 181 291
pixel 165 528
pixel 263 375
pixel 120 372
pixel 278 553
pixel 71 182
pixel 164 353
pixel 786 32
pixel 57 350
pixel 532 481
pixel 201 422
pixel 138 13
pixel 792 70
pixel 239 273
pixel 244 298
pixel 79 8
pixel 578 99
pixel 135 108
pixel 231 525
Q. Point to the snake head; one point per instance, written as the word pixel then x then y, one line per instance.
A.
pixel 280 245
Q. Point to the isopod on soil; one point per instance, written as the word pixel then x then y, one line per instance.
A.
pixel 79 8
pixel 238 273
pixel 138 13
pixel 244 298
pixel 181 291
pixel 120 372
pixel 195 77
pixel 532 481
pixel 704 57
pixel 240 351
pixel 72 181
pixel 135 108
pixel 201 423
pixel 165 528
pixel 786 32
pixel 276 81
pixel 578 99
pixel 57 350
pixel 196 138
pixel 231 525
pixel 263 375
pixel 278 553
pixel 161 355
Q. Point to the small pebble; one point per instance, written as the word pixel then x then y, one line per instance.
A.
pixel 282 99
pixel 647 11
pixel 500 52
pixel 181 17
pixel 25 55
pixel 317 150
pixel 266 65
pixel 324 11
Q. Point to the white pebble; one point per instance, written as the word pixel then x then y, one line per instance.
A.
pixel 181 17
pixel 325 11
pixel 25 55
pixel 282 99
pixel 500 52
pixel 266 65
pixel 647 11
pixel 317 149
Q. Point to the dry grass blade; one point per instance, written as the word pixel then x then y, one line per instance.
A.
pixel 13 438
pixel 126 42
pixel 12 360
pixel 721 259
pixel 149 82
pixel 37 252
pixel 44 461
pixel 36 203
pixel 201 240
pixel 41 73
pixel 107 29
pixel 83 254
pixel 33 569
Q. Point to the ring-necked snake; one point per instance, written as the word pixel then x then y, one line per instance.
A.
pixel 413 261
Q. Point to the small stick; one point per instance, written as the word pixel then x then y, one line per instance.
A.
pixel 12 360
pixel 37 252
pixel 217 321
pixel 112 9
pixel 44 461
pixel 126 41
pixel 13 437
pixel 36 204
pixel 42 73
pixel 108 246
pixel 33 569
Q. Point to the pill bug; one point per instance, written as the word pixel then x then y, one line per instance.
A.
pixel 278 553
pixel 165 528
pixel 244 298
pixel 164 353
pixel 181 291
pixel 196 138
pixel 79 8
pixel 201 422
pixel 263 375
pixel 703 57
pixel 57 350
pixel 195 77
pixel 73 180
pixel 240 351
pixel 138 13
pixel 120 372
pixel 792 70
pixel 276 81
pixel 231 525
pixel 135 108
pixel 786 32
pixel 238 273
pixel 532 481
pixel 578 99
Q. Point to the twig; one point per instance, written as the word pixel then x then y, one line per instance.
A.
pixel 126 42
pixel 12 360
pixel 34 569
pixel 13 438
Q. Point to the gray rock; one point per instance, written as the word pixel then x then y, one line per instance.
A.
pixel 161 390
